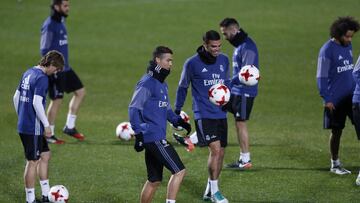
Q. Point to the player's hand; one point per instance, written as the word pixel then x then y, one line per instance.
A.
pixel 227 106
pixel 330 106
pixel 47 131
pixel 177 111
pixel 183 124
pixel 139 142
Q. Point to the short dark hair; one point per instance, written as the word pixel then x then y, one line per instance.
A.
pixel 57 2
pixel 343 24
pixel 54 58
pixel 160 50
pixel 210 35
pixel 228 22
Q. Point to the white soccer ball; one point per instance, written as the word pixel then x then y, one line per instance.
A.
pixel 249 75
pixel 58 194
pixel 124 131
pixel 219 94
pixel 185 117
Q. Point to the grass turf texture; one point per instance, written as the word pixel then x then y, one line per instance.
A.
pixel 110 43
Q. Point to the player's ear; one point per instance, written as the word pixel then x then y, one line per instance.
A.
pixel 56 7
pixel 157 59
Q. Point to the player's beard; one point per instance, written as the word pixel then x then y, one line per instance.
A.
pixel 344 43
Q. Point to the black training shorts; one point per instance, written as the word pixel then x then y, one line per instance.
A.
pixel 210 130
pixel 65 81
pixel 33 145
pixel 159 154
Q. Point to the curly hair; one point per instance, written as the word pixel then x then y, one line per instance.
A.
pixel 343 24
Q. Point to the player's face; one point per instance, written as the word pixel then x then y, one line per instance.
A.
pixel 52 69
pixel 346 39
pixel 228 32
pixel 63 8
pixel 213 47
pixel 165 61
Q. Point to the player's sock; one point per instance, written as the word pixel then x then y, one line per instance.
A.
pixel 70 121
pixel 214 186
pixel 245 157
pixel 52 127
pixel 335 163
pixel 170 201
pixel 30 194
pixel 45 187
pixel 194 139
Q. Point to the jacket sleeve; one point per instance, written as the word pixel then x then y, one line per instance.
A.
pixel 136 108
pixel 46 41
pixel 322 74
pixel 184 83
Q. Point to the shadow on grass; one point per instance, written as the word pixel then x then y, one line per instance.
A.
pixel 354 169
pixel 106 142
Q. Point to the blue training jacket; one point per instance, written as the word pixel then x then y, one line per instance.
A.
pixel 245 54
pixel 54 37
pixel 356 75
pixel 202 76
pixel 33 82
pixel 334 72
pixel 150 109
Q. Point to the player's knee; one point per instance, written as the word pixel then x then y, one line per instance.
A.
pixel 181 173
pixel 45 156
pixel 216 151
pixel 80 92
pixel 154 184
pixel 32 163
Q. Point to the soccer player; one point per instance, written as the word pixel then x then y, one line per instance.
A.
pixel 29 102
pixel 242 96
pixel 336 84
pixel 149 112
pixel 356 105
pixel 204 69
pixel 54 37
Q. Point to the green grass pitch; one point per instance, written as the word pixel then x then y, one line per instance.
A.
pixel 110 44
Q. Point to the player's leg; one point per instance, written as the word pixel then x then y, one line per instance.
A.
pixel 31 154
pixel 72 83
pixel 56 95
pixel 243 139
pixel 174 185
pixel 154 172
pixel 214 160
pixel 43 169
pixel 335 120
pixel 356 122
pixel 148 191
pixel 76 101
pixel 242 107
pixel 165 155
pixel 215 163
pixel 334 142
pixel 53 110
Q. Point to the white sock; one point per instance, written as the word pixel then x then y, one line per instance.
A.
pixel 70 121
pixel 52 127
pixel 194 138
pixel 245 157
pixel 214 186
pixel 170 201
pixel 30 194
pixel 45 187
pixel 335 163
